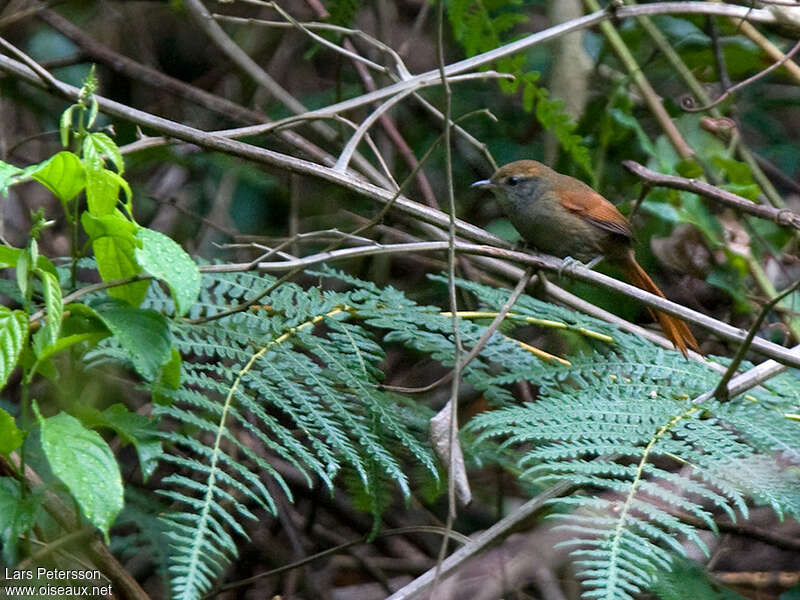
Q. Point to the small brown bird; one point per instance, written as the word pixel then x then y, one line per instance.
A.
pixel 563 216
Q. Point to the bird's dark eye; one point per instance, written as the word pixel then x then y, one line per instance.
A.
pixel 513 180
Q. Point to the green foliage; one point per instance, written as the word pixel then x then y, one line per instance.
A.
pixel 687 580
pixel 343 12
pixel 483 25
pixel 300 374
pixel 165 259
pixel 13 333
pixel 295 363
pixel 132 428
pixel 31 337
pixel 619 425
pixel 18 512
pixel 82 460
pixel 10 435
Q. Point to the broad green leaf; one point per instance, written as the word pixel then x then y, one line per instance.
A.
pixel 171 371
pixel 170 378
pixel 65 125
pixel 62 174
pixel 663 210
pixel 53 304
pixel 689 167
pixel 8 175
pixel 630 122
pixel 17 516
pixel 163 258
pixel 114 240
pixel 82 460
pixel 23 268
pixel 9 256
pixel 96 146
pixel 731 280
pixel 693 210
pixel 740 177
pixel 10 435
pixel 102 191
pixel 749 191
pixel 68 341
pixel 736 171
pixel 13 333
pixel 133 429
pixel 144 334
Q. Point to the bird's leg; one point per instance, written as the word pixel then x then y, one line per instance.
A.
pixel 568 263
pixel 594 262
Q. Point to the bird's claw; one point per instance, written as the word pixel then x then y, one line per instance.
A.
pixel 568 264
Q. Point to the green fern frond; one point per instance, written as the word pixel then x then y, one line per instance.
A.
pixel 299 375
pixel 620 426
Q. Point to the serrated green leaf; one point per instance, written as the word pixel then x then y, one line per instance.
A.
pixel 737 172
pixel 133 429
pixel 114 241
pixel 96 146
pixel 70 340
pixel 62 174
pixel 170 379
pixel 143 333
pixel 82 460
pixel 10 255
pixel 10 435
pixel 163 258
pixel 13 333
pixel 53 305
pixel 749 191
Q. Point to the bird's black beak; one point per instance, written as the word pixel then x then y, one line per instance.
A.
pixel 483 184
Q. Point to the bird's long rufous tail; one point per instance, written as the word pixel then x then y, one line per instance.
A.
pixel 676 330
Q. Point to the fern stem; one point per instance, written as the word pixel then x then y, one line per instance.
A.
pixel 617 536
pixel 202 525
pixel 479 314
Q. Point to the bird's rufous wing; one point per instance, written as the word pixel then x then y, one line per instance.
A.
pixel 597 210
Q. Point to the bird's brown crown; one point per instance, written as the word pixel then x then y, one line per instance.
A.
pixel 521 168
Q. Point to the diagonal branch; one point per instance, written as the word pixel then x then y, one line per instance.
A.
pixel 779 216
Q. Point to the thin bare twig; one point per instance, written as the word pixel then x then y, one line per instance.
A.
pixel 721 391
pixel 479 60
pixel 538 261
pixel 352 144
pixel 746 82
pixel 40 71
pixel 651 98
pixel 240 58
pixel 402 73
pixel 337 549
pixel 480 344
pixel 455 461
pixel 480 542
pixel 135 70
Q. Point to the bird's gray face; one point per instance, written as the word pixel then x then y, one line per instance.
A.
pixel 513 191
